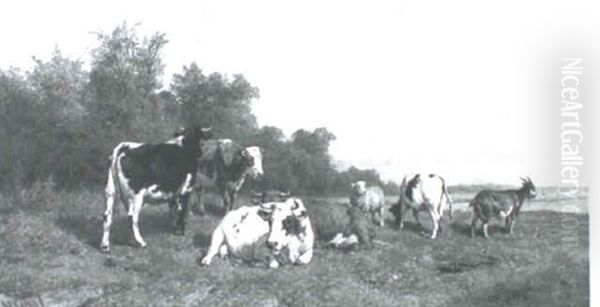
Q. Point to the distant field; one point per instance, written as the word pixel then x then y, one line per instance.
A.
pixel 49 255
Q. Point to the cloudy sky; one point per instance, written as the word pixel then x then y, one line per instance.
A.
pixel 467 89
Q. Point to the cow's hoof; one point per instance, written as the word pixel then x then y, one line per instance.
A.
pixel 205 262
pixel 179 232
pixel 140 245
pixel 274 264
pixel 105 249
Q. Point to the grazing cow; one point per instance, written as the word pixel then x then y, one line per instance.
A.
pixel 422 192
pixel 225 165
pixel 368 199
pixel 505 204
pixel 269 196
pixel 152 173
pixel 286 224
pixel 358 232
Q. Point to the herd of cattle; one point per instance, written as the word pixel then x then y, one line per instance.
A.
pixel 168 172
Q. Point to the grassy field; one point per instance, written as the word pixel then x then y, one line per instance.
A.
pixel 49 255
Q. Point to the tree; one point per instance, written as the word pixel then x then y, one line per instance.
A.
pixel 311 160
pixel 124 80
pixel 216 101
pixel 60 85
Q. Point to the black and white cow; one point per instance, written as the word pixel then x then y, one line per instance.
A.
pixel 152 173
pixel 423 192
pixel 286 225
pixel 225 164
pixel 504 204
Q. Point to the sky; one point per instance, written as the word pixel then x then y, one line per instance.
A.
pixel 466 89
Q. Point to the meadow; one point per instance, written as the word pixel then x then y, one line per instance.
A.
pixel 49 256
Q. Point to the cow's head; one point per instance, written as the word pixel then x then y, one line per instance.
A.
pixel 528 187
pixel 359 187
pixel 288 221
pixel 191 137
pixel 269 196
pixel 253 158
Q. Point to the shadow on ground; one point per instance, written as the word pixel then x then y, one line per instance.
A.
pixel 88 229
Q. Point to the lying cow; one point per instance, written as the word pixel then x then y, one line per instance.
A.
pixel 152 173
pixel 286 224
pixel 225 165
pixel 368 199
pixel 358 232
pixel 422 192
pixel 505 204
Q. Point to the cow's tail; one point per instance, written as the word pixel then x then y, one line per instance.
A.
pixel 114 173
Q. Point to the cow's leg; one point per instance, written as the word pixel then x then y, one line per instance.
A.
pixel 200 199
pixel 373 214
pixel 485 229
pixel 138 202
pixel 400 216
pixel 225 199
pixel 107 219
pixel 415 213
pixel 216 241
pixel 182 213
pixel 435 223
pixel 510 223
pixel 381 216
pixel 173 212
pixel 223 251
pixel 232 196
pixel 305 258
pixel 473 225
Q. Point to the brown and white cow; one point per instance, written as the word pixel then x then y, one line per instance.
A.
pixel 286 225
pixel 422 192
pixel 225 165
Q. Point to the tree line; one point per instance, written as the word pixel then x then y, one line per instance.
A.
pixel 60 120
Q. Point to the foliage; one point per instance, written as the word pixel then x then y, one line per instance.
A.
pixel 59 121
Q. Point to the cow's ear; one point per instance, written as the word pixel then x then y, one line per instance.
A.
pixel 179 132
pixel 264 215
pixel 301 215
pixel 265 211
pixel 256 194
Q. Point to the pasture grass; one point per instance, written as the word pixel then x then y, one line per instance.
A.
pixel 49 255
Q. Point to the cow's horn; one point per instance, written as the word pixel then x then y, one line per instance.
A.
pixel 296 205
pixel 205 130
pixel 267 206
pixel 285 194
pixel 257 194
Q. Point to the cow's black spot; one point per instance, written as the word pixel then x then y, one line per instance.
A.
pixel 165 165
pixel 412 183
pixel 431 175
pixel 292 226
